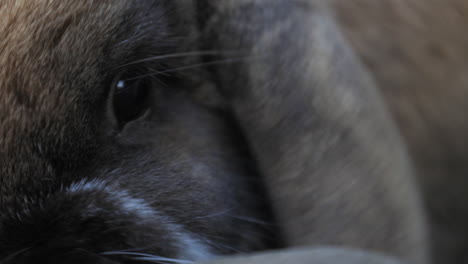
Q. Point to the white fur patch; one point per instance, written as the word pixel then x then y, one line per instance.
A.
pixel 193 249
pixel 87 185
pixel 127 203
pixel 190 248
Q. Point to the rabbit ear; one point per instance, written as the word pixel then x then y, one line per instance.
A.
pixel 316 123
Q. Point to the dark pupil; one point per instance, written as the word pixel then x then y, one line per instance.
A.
pixel 130 99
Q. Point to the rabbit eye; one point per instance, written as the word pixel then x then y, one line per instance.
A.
pixel 130 98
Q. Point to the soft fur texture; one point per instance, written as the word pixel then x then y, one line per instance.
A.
pixel 176 182
pixel 330 154
pixel 418 53
pixel 282 96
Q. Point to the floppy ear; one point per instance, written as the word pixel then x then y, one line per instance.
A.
pixel 331 157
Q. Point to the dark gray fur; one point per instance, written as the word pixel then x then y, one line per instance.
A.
pixel 332 158
pixel 329 153
pixel 73 185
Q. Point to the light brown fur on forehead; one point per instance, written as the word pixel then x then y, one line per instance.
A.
pixel 57 62
pixel 34 33
pixel 47 48
pixel 49 55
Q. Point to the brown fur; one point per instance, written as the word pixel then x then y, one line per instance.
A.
pixel 73 184
pixel 418 53
pixel 37 47
pixel 335 166
pixel 333 161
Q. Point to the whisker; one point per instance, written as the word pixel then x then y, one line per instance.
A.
pixel 238 217
pixel 192 66
pixel 188 67
pixel 148 75
pixel 199 65
pixel 159 260
pixel 129 250
pixel 144 259
pixel 176 55
pixel 224 212
pixel 252 220
pixel 144 256
pixel 14 254
pixel 135 34
pixel 217 245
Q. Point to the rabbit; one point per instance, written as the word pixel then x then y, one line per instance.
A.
pixel 354 110
pixel 106 158
pixel 137 131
